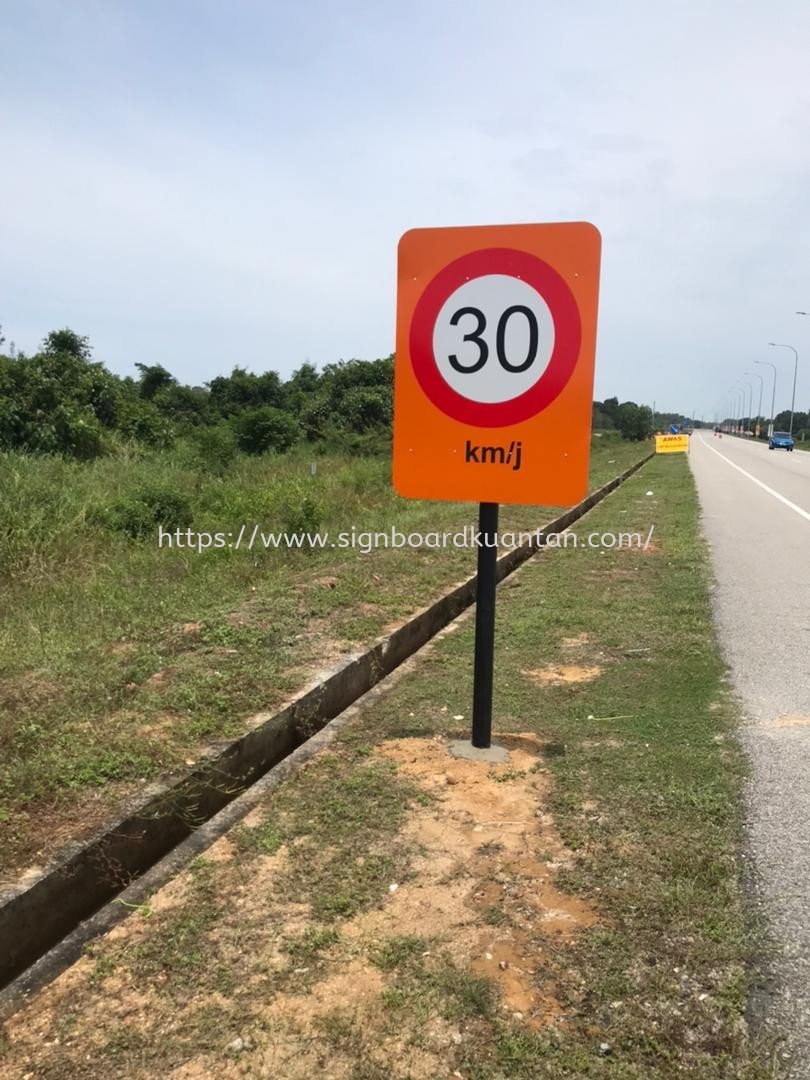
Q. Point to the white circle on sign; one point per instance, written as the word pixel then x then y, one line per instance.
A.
pixel 493 338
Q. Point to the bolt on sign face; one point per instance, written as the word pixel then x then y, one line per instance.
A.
pixel 493 378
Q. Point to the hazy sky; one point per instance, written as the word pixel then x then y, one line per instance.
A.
pixel 202 184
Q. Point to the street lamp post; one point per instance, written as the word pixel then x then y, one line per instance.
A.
pixel 767 363
pixel 732 413
pixel 739 407
pixel 808 411
pixel 750 401
pixel 740 389
pixel 756 375
pixel 777 345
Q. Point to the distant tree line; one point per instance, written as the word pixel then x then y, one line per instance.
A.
pixel 781 422
pixel 637 421
pixel 61 401
pixel 632 421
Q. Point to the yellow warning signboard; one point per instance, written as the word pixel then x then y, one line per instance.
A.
pixel 672 444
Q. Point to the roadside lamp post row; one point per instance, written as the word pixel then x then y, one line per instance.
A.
pixel 794 374
pixel 747 417
pixel 777 345
pixel 738 404
pixel 767 363
pixel 750 402
pixel 739 392
pixel 756 375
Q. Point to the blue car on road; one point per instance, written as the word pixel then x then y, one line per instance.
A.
pixel 780 440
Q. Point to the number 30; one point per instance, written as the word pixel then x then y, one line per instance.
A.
pixel 500 339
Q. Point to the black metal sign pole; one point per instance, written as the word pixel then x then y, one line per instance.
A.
pixel 485 625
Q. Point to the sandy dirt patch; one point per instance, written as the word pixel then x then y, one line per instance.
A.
pixel 563 674
pixel 789 720
pixel 480 897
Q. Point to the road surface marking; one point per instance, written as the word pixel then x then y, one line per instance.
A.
pixel 764 487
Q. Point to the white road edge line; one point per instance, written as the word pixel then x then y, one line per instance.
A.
pixel 776 495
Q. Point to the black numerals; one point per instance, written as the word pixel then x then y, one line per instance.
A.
pixel 500 339
pixel 483 348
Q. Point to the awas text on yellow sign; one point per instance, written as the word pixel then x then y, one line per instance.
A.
pixel 672 444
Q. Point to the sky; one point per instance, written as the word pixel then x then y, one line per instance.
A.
pixel 202 184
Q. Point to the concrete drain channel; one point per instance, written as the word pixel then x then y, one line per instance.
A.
pixel 48 917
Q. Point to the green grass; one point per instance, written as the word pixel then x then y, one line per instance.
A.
pixel 647 789
pixel 646 785
pixel 399 952
pixel 308 946
pixel 119 661
pixel 436 986
pixel 338 821
pixel 346 852
pixel 176 960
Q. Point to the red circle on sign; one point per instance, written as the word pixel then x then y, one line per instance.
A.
pixel 567 336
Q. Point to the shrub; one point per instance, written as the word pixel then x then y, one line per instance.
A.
pixel 214 448
pixel 142 421
pixel 297 510
pixel 635 421
pixel 261 430
pixel 72 431
pixel 63 403
pixel 375 443
pixel 139 514
pixel 304 516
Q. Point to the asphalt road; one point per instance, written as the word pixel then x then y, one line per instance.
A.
pixel 756 517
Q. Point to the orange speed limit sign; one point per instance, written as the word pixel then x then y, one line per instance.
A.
pixel 496 332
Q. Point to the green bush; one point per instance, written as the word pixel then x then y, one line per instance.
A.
pixel 635 421
pixel 375 443
pixel 213 449
pixel 268 429
pixel 57 402
pixel 74 432
pixel 139 514
pixel 143 422
pixel 302 515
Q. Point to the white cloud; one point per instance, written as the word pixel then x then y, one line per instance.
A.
pixel 205 184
